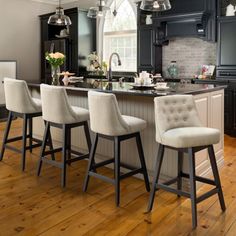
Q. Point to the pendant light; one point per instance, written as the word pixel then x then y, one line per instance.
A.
pixel 98 11
pixel 114 11
pixel 155 5
pixel 59 18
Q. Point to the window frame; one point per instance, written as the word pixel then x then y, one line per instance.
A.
pixel 101 23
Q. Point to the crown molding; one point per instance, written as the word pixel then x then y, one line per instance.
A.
pixel 54 2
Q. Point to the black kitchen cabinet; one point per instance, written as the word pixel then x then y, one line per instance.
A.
pixel 226 59
pixel 185 6
pixel 230 110
pixel 77 46
pixel 148 50
pixel 229 103
pixel 228 118
pixel 190 18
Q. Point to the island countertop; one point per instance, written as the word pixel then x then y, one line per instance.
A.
pixel 127 88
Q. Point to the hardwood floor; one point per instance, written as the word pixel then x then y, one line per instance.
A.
pixel 31 205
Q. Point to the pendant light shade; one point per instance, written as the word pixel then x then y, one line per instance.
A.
pixel 59 18
pixel 98 11
pixel 155 5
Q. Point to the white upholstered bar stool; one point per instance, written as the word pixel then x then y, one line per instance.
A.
pixel 57 112
pixel 178 127
pixel 19 103
pixel 107 122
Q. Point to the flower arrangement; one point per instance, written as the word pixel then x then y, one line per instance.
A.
pixel 55 59
pixel 94 66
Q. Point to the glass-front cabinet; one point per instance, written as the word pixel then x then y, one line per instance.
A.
pixel 226 8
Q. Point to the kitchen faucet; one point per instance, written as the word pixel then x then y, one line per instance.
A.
pixel 110 60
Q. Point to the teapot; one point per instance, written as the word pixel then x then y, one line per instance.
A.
pixel 230 10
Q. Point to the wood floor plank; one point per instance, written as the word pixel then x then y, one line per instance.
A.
pixel 32 205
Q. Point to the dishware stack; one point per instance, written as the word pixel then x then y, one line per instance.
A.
pixel 144 79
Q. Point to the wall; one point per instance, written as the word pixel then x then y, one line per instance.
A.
pixel 190 54
pixel 20 35
pixel 85 4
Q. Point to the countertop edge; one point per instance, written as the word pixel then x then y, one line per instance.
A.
pixel 133 93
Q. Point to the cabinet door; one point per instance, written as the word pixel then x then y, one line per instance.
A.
pixel 226 43
pixel 146 53
pixel 228 110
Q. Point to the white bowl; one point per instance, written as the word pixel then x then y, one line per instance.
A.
pixel 161 85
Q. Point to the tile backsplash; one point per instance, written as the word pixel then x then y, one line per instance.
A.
pixel 190 54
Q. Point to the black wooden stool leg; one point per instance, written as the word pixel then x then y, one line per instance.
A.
pixel 157 171
pixel 43 147
pixel 91 161
pixel 24 138
pixel 216 176
pixel 31 133
pixel 88 139
pixel 192 178
pixel 180 167
pixel 142 161
pixel 117 169
pixel 69 145
pixel 7 130
pixel 49 140
pixel 87 135
pixel 50 143
pixel 64 156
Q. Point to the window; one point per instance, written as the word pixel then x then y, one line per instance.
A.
pixel 120 35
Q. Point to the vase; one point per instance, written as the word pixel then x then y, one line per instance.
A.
pixel 148 19
pixel 55 70
pixel 173 70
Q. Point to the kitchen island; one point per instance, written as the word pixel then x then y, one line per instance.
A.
pixel 210 104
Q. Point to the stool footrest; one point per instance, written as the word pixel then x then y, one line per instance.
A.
pixel 102 177
pixel 18 138
pixel 52 162
pixel 170 182
pixel 76 152
pixel 207 195
pixel 131 173
pixel 78 158
pixel 104 163
pixel 200 179
pixel 33 146
pixel 13 148
pixel 172 190
pixel 52 151
pixel 37 140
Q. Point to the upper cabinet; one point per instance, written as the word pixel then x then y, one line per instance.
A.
pixel 226 8
pixel 76 42
pixel 149 50
pixel 189 18
pixel 226 60
pixel 184 7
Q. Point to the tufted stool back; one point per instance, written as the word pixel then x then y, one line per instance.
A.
pixel 55 105
pixel 175 111
pixel 105 116
pixel 18 98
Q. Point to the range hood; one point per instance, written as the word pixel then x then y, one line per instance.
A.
pixel 184 25
pixel 193 24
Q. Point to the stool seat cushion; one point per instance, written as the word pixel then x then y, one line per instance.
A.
pixel 80 114
pixel 190 137
pixel 134 124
